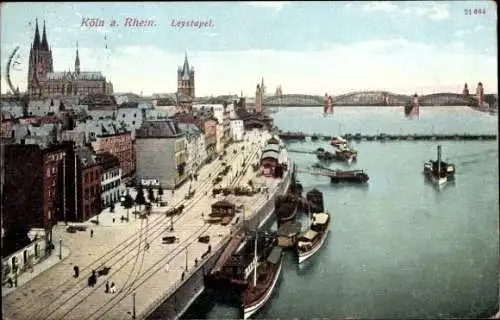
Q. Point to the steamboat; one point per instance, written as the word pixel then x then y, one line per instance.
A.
pixel 266 272
pixel 286 208
pixel 292 136
pixel 313 239
pixel 439 171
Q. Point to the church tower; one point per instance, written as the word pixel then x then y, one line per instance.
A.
pixel 185 84
pixel 258 98
pixel 77 61
pixel 40 61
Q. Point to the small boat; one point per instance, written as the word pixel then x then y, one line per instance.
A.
pixel 349 176
pixel 439 171
pixel 265 276
pixel 337 141
pixel 285 208
pixel 312 240
pixel 292 136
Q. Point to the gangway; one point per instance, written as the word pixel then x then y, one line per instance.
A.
pixel 231 247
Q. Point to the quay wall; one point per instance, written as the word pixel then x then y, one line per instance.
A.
pixel 174 304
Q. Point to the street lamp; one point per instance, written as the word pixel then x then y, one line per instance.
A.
pixel 60 248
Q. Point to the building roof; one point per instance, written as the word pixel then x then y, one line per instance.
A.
pixel 83 75
pixel 320 218
pixel 223 203
pixel 86 156
pixel 270 154
pixel 190 129
pixel 275 255
pixel 272 147
pixel 159 129
pixel 107 161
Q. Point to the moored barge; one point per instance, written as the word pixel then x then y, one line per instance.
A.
pixel 349 176
pixel 313 239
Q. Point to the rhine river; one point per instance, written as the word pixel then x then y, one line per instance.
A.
pixel 398 247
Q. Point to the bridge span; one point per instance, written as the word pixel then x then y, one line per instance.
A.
pixel 372 98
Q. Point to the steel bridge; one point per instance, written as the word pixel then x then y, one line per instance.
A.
pixel 372 98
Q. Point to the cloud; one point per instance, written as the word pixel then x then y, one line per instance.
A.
pixel 380 6
pixel 211 34
pixel 433 11
pixel 397 65
pixel 478 27
pixel 277 5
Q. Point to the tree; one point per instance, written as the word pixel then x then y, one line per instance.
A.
pixel 151 195
pixel 128 203
pixel 160 192
pixel 139 198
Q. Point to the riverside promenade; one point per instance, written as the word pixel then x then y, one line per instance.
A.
pixel 142 268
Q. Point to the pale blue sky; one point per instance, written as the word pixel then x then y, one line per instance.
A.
pixel 311 47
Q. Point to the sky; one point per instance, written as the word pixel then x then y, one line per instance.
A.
pixel 309 48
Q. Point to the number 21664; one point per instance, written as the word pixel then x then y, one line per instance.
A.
pixel 470 12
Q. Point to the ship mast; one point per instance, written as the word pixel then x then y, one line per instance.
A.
pixel 255 261
pixel 439 161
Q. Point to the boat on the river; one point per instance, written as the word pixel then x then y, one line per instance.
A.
pixel 286 208
pixel 264 277
pixel 313 239
pixel 292 135
pixel 359 176
pixel 336 141
pixel 439 171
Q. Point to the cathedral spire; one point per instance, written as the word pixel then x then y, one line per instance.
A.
pixel 45 45
pixel 77 60
pixel 185 68
pixel 36 41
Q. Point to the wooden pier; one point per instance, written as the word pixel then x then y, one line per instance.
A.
pixel 299 136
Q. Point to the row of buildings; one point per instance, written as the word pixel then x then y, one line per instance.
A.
pixel 69 144
pixel 66 162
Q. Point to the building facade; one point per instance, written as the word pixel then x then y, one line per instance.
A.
pixel 43 81
pixel 196 149
pixel 210 131
pixel 111 175
pixel 120 145
pixel 161 153
pixel 237 130
pixel 185 85
pixel 89 185
pixel 34 186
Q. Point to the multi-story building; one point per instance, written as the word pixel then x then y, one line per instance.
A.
pixel 43 81
pixel 196 150
pixel 89 185
pixel 34 186
pixel 185 85
pixel 237 129
pixel 110 136
pixel 111 175
pixel 210 131
pixel 161 151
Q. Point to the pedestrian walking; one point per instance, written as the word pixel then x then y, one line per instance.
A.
pixel 91 233
pixel 113 287
pixel 77 271
pixel 107 287
pixel 113 219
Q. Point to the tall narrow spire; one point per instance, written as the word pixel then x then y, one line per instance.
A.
pixel 36 41
pixel 77 60
pixel 45 44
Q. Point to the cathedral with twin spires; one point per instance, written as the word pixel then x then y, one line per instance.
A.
pixel 44 82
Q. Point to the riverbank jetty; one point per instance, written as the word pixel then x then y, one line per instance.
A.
pixel 145 270
pixel 299 136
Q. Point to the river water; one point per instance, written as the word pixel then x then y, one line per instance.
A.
pixel 398 247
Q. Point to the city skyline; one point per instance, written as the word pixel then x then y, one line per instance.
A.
pixel 421 47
